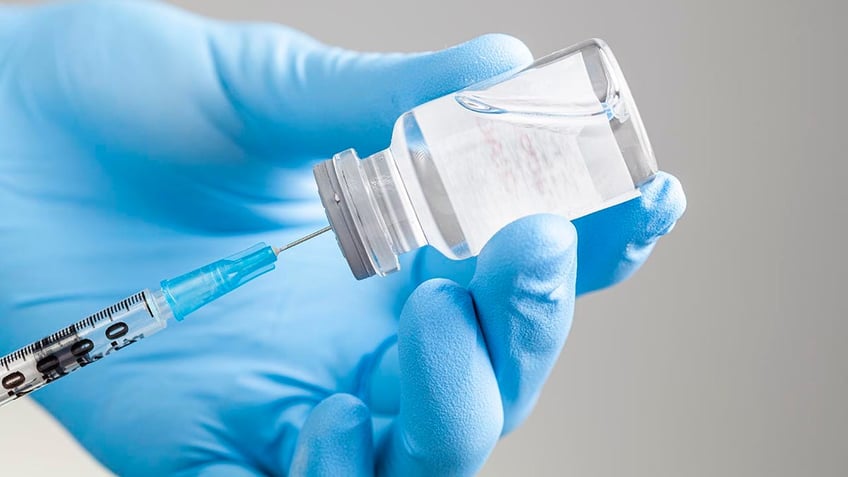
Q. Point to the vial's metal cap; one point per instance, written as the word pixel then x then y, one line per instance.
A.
pixel 339 214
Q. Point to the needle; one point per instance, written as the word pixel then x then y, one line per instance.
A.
pixel 302 239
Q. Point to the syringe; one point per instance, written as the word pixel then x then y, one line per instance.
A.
pixel 130 320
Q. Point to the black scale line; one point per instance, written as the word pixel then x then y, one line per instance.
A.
pixel 71 330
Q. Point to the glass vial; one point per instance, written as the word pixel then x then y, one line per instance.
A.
pixel 561 136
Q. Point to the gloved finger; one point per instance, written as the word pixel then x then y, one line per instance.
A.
pixel 615 242
pixel 523 289
pixel 450 411
pixel 296 94
pixel 335 440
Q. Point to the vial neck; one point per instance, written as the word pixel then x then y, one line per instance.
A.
pixel 368 207
pixel 390 197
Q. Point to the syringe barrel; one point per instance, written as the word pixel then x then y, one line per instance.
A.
pixel 82 343
pixel 126 322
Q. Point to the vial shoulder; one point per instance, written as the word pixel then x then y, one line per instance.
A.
pixel 422 177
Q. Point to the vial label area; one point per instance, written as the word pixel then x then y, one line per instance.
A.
pixel 538 143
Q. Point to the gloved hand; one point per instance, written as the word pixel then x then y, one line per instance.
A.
pixel 138 141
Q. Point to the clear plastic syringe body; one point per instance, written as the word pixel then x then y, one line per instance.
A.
pixel 126 322
pixel 85 342
pixel 561 136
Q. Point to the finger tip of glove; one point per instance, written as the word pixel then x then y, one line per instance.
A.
pixel 335 440
pixel 346 408
pixel 548 232
pixel 667 188
pixel 470 62
pixel 434 298
pixel 541 246
pixel 338 414
pixel 499 48
pixel 663 198
pixel 429 293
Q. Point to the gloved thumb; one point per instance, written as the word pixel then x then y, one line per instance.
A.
pixel 335 440
pixel 295 94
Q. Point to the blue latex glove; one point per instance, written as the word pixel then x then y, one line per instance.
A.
pixel 138 141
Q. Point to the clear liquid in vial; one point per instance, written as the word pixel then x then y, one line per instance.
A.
pixel 541 142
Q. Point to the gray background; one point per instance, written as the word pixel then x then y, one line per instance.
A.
pixel 725 355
